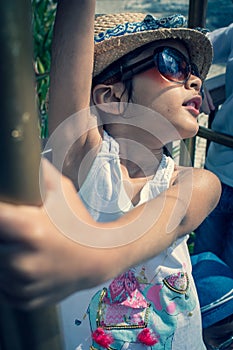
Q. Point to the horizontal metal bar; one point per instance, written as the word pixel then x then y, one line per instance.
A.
pixel 214 136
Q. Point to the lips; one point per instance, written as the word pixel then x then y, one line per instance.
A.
pixel 194 104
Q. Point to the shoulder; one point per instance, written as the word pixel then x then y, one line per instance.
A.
pixel 202 182
pixel 205 187
pixel 200 177
pixel 199 191
pixel 205 177
pixel 209 184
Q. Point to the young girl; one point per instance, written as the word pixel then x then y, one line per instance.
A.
pixel 146 86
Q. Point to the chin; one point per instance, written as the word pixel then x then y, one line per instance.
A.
pixel 189 132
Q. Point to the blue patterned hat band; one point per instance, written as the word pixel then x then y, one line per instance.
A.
pixel 121 33
pixel 149 23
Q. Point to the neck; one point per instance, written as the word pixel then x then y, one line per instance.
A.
pixel 139 160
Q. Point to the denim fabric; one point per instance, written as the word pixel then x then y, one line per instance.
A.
pixel 215 234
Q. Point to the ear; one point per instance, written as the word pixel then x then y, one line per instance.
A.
pixel 108 97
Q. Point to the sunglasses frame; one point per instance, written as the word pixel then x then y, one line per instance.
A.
pixel 152 61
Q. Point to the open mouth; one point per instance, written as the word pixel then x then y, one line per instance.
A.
pixel 194 103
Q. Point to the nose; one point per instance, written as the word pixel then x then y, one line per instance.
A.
pixel 194 82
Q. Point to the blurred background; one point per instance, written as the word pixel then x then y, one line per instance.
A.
pixel 219 13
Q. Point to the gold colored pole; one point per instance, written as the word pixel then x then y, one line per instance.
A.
pixel 19 128
pixel 20 159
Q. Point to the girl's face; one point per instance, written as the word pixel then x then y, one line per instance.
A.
pixel 178 103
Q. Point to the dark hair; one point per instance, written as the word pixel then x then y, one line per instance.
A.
pixel 113 73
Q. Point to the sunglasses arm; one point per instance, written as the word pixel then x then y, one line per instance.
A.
pixel 136 68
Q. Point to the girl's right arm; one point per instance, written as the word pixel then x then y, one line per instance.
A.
pixel 40 261
pixel 72 60
pixel 70 84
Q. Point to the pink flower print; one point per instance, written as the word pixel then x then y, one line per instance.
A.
pixel 131 283
pixel 136 300
pixel 122 287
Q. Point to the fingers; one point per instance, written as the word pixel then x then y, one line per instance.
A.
pixel 29 293
pixel 10 221
pixel 25 300
pixel 19 223
pixel 23 284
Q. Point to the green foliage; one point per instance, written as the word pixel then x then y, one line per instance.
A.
pixel 42 26
pixel 191 242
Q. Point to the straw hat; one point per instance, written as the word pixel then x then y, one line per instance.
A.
pixel 119 34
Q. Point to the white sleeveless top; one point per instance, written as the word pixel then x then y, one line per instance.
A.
pixel 152 306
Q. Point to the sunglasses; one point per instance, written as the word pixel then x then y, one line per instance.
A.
pixel 171 64
pixel 226 345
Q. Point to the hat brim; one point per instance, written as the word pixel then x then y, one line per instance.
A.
pixel 111 50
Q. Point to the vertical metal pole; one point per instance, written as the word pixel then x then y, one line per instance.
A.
pixel 197 13
pixel 20 159
pixel 19 127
